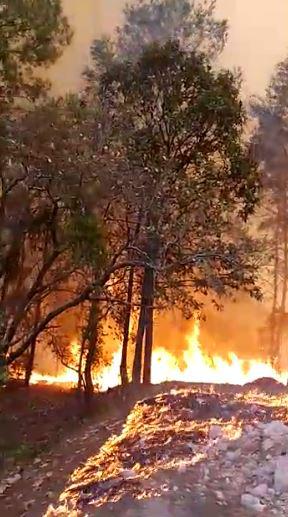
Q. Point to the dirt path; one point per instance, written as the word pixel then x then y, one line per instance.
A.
pixel 42 482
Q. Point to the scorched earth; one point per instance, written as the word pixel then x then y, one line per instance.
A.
pixel 201 451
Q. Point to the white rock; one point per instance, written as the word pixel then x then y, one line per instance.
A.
pixel 274 429
pixel 215 431
pixel 219 495
pixel 267 444
pixel 222 445
pixel 281 474
pixel 128 474
pixel 13 479
pixel 252 502
pixel 233 455
pixel 260 490
pixel 182 468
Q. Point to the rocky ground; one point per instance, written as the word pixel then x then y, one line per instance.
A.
pixel 201 451
pixel 212 454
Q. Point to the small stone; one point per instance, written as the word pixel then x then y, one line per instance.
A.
pixel 275 428
pixel 233 455
pixel 252 503
pixel 13 479
pixel 3 488
pixel 267 444
pixel 219 495
pixel 281 474
pixel 182 468
pixel 260 490
pixel 28 504
pixel 128 474
pixel 215 432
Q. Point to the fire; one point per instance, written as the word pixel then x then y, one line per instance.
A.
pixel 106 378
pixel 198 367
pixel 202 368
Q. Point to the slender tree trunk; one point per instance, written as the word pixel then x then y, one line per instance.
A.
pixel 2 368
pixel 149 328
pixel 274 319
pixel 282 318
pixel 80 366
pixel 137 364
pixel 127 318
pixel 32 349
pixel 91 339
pixel 30 363
pixel 89 387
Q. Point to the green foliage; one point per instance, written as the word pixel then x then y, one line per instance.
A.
pixel 32 34
pixel 179 124
pixel 85 238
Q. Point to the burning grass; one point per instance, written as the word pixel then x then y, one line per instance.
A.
pixel 163 434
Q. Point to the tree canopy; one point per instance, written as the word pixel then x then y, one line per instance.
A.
pixel 32 34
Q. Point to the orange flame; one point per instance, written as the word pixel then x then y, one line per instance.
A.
pixel 198 367
pixel 202 368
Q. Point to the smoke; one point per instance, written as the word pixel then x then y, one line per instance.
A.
pixel 258 38
pixel 235 328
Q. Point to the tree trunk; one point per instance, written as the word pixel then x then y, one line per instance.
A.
pixel 149 328
pixel 127 318
pixel 89 387
pixel 30 363
pixel 32 349
pixel 137 364
pixel 80 364
pixel 91 339
pixel 145 325
pixel 3 370
pixel 276 274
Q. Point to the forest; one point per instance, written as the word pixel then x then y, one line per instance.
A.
pixel 147 190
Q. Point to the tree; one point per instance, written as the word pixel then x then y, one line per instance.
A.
pixel 271 148
pixel 192 23
pixel 49 234
pixel 32 34
pixel 195 27
pixel 177 130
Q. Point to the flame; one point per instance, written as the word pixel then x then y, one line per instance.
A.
pixel 202 368
pixel 106 378
pixel 193 366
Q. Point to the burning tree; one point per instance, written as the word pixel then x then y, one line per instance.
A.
pixel 133 197
pixel 271 147
pixel 185 174
pixel 31 36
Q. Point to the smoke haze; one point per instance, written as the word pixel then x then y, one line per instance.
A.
pixel 258 40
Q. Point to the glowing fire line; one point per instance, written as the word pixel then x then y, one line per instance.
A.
pixel 165 367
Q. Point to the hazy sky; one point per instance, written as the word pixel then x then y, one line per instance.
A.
pixel 258 38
